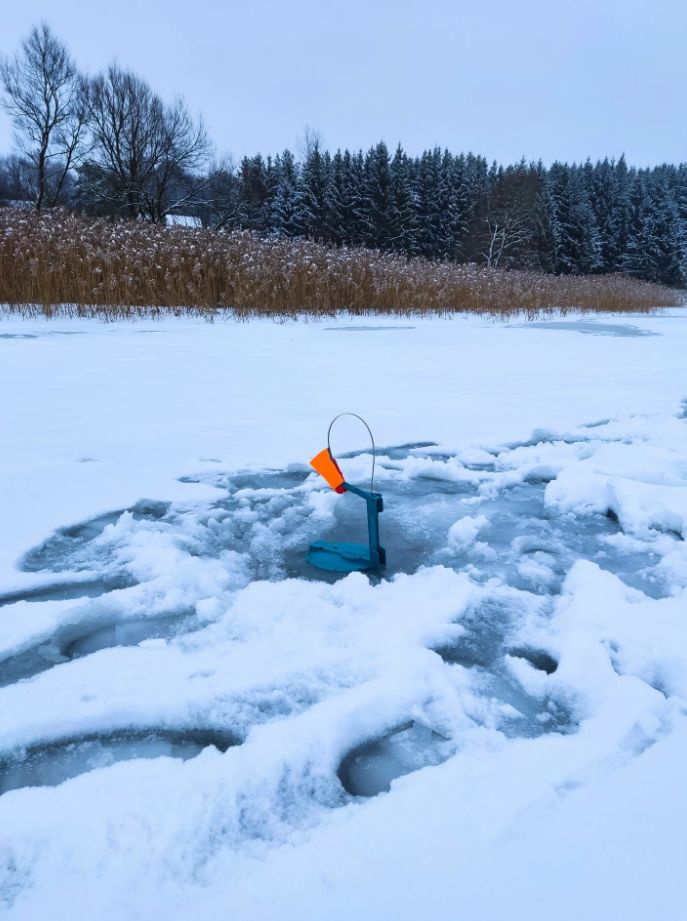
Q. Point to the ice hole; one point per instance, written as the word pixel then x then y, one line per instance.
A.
pixel 67 547
pixel 414 524
pixel 370 768
pixel 54 762
pixel 87 530
pixel 537 658
pixel 269 520
pixel 126 633
pixel 73 642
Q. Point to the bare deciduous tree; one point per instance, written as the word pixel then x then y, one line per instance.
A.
pixel 508 215
pixel 44 96
pixel 148 153
pixel 504 231
pixel 309 141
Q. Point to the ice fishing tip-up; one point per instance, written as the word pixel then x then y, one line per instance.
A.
pixel 343 556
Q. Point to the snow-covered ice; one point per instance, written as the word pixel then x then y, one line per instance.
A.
pixel 194 720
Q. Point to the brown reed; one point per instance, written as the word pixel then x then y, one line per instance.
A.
pixel 63 263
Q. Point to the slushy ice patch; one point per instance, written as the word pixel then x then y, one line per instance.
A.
pixel 76 640
pixel 127 633
pixel 69 547
pixel 482 515
pixel 489 629
pixel 64 591
pixel 267 519
pixel 55 762
pixel 486 627
pixel 592 328
pixel 522 715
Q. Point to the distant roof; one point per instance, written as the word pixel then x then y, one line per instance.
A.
pixel 183 220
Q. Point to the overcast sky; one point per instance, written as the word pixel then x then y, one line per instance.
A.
pixel 535 78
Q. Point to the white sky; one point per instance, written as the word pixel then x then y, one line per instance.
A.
pixel 539 78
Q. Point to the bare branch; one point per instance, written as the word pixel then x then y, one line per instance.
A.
pixel 43 94
pixel 147 152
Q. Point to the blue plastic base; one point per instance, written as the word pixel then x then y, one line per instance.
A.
pixel 339 557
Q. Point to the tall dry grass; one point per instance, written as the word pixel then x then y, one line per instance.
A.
pixel 65 263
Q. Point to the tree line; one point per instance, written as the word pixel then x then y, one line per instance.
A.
pixel 109 145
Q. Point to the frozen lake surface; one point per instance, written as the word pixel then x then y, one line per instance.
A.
pixel 190 713
pixel 595 328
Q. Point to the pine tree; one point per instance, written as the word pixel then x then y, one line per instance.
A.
pixel 377 198
pixel 656 239
pixel 608 188
pixel 313 207
pixel 458 205
pixel 336 201
pixel 576 237
pixel 403 209
pixel 427 200
pixel 254 193
pixel 284 201
pixel 348 184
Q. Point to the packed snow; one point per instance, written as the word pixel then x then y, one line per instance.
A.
pixel 193 719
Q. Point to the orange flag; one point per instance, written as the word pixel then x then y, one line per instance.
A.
pixel 328 468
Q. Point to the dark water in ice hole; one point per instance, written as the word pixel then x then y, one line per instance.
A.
pixel 370 768
pixel 265 517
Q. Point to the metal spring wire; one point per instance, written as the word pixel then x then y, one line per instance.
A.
pixel 355 416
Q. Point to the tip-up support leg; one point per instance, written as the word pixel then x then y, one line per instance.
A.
pixel 348 557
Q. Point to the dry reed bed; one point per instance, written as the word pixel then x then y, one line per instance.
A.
pixel 66 263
